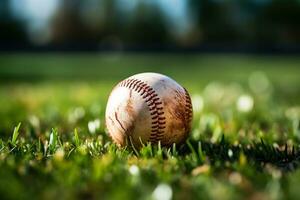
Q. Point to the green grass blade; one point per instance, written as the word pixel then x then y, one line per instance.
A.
pixel 15 134
pixel 193 151
pixel 53 140
pixel 76 138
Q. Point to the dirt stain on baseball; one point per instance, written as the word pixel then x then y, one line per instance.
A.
pixel 130 111
pixel 129 107
pixel 116 137
pixel 116 116
pixel 180 111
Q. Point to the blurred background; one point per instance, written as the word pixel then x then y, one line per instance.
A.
pixel 60 55
pixel 255 26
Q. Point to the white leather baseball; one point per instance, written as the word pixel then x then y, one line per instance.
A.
pixel 148 107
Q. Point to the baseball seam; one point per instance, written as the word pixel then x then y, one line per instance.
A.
pixel 154 104
pixel 188 108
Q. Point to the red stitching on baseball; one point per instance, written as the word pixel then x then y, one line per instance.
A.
pixel 154 104
pixel 188 108
pixel 150 94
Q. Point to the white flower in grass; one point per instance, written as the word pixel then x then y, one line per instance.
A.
pixel 59 154
pixel 76 114
pixel 245 103
pixel 134 170
pixel 214 92
pixel 198 103
pixel 259 82
pixel 34 120
pixel 230 153
pixel 94 125
pixel 162 192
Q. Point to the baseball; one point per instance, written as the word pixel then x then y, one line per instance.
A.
pixel 148 107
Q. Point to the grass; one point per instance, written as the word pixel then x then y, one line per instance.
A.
pixel 244 144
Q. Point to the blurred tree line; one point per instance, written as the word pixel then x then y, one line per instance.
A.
pixel 105 23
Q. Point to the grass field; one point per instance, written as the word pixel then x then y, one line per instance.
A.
pixel 245 140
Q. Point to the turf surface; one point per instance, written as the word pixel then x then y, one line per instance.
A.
pixel 244 142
